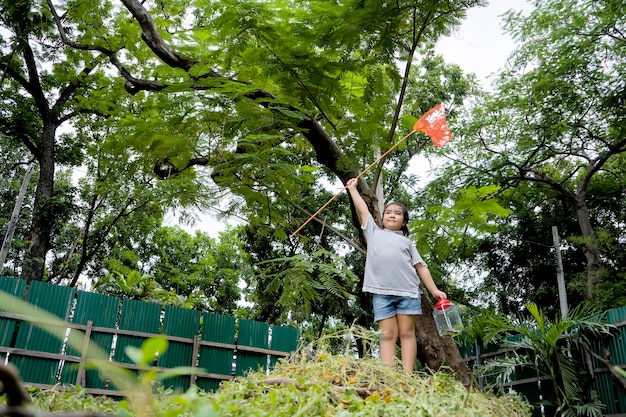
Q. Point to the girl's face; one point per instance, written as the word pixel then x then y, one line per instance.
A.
pixel 394 217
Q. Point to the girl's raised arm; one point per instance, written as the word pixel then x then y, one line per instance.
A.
pixel 359 204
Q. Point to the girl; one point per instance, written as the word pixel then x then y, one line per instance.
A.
pixel 390 274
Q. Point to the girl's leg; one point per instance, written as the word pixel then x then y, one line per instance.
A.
pixel 408 343
pixel 388 338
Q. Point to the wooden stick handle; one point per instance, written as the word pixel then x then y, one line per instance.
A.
pixel 357 177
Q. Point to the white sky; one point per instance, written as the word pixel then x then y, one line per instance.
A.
pixel 478 46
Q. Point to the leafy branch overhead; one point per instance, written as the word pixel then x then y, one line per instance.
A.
pixel 300 114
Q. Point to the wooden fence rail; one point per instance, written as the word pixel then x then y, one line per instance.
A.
pixel 217 346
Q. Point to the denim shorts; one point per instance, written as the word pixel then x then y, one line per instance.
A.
pixel 387 306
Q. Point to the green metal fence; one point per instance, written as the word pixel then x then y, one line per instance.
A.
pixel 218 357
pixel 7 326
pixel 611 394
pixel 602 384
pixel 219 346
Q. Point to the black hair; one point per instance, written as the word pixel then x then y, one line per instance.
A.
pixel 405 215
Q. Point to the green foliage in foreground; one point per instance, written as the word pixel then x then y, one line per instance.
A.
pixel 320 385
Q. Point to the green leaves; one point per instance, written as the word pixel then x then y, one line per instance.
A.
pixel 298 280
pixel 150 350
pixel 449 230
pixel 479 204
pixel 545 135
pixel 546 346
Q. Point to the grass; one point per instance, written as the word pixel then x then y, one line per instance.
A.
pixel 310 384
pixel 344 386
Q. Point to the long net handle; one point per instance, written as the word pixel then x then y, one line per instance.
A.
pixel 345 187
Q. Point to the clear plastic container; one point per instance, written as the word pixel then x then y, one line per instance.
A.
pixel 447 318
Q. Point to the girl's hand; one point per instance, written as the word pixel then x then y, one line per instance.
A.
pixel 351 183
pixel 439 295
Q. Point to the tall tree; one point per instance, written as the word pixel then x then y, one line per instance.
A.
pixel 52 92
pixel 556 119
pixel 309 71
pixel 198 266
pixel 14 168
pixel 121 201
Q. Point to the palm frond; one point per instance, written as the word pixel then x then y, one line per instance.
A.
pixel 537 314
pixel 589 409
pixel 546 346
pixel 569 374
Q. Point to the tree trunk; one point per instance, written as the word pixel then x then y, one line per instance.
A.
pixel 436 351
pixel 590 246
pixel 43 213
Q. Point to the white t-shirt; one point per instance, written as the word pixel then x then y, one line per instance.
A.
pixel 390 262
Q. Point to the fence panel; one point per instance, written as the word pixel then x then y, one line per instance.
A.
pixel 113 325
pixel 617 347
pixel 284 339
pixel 604 385
pixel 252 334
pixel 15 288
pixel 213 359
pixel 530 390
pixel 102 311
pixel 138 316
pixel 185 323
pixel 57 301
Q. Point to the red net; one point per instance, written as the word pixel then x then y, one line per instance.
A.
pixel 433 123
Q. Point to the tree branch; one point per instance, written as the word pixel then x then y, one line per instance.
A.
pixel 326 225
pixel 606 360
pixel 417 36
pixel 152 38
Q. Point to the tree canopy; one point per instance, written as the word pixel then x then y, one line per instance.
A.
pixel 551 136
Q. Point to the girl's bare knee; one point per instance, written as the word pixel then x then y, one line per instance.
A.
pixel 407 335
pixel 389 336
